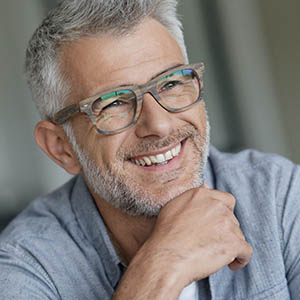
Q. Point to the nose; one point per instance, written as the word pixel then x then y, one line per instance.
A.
pixel 154 120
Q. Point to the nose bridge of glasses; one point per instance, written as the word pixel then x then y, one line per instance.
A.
pixel 152 91
pixel 152 117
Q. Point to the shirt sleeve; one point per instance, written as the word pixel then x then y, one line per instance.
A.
pixel 290 225
pixel 21 277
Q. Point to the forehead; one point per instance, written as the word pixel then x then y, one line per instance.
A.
pixel 95 64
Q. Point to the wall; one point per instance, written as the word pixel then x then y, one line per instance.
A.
pixel 251 50
pixel 281 25
pixel 25 172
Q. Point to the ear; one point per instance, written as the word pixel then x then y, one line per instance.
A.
pixel 54 142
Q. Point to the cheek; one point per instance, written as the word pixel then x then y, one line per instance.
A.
pixel 196 116
pixel 89 139
pixel 104 149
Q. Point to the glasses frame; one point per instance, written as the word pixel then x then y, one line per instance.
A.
pixel 85 106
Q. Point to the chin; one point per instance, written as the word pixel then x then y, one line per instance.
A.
pixel 147 202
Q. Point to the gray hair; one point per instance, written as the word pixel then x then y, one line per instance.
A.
pixel 73 19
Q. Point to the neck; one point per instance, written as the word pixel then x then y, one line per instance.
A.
pixel 127 233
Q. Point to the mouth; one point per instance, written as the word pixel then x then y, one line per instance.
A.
pixel 159 159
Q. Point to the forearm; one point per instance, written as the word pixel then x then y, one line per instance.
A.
pixel 149 277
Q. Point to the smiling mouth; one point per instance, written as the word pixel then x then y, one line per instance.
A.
pixel 158 159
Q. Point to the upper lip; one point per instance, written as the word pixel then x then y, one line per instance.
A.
pixel 159 151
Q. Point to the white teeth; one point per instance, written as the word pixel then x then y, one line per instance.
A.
pixel 147 161
pixel 153 159
pixel 168 155
pixel 173 152
pixel 177 149
pixel 161 158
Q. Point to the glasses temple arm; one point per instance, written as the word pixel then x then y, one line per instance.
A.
pixel 65 114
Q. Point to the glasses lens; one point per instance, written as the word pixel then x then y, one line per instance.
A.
pixel 179 89
pixel 115 110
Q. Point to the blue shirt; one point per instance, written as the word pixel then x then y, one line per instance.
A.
pixel 58 248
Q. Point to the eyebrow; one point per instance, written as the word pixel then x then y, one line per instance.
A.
pixel 166 70
pixel 153 77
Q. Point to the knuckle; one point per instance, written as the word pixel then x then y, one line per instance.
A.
pixel 225 229
pixel 231 199
pixel 250 249
pixel 247 248
pixel 219 206
pixel 223 212
pixel 239 244
pixel 227 224
pixel 226 198
pixel 223 249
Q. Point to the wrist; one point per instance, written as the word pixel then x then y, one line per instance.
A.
pixel 151 276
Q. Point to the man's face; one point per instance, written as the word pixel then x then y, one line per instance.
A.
pixel 112 164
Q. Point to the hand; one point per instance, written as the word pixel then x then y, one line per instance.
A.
pixel 196 234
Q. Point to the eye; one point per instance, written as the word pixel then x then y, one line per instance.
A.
pixel 116 103
pixel 170 84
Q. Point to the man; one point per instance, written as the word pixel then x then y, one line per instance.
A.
pixel 149 214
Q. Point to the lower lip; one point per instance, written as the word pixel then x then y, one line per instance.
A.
pixel 170 163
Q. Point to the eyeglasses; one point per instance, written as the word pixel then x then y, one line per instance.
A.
pixel 116 110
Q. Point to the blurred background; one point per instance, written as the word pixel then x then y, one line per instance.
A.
pixel 252 53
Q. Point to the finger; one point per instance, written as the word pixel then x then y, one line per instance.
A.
pixel 242 258
pixel 231 225
pixel 236 221
pixel 238 232
pixel 226 198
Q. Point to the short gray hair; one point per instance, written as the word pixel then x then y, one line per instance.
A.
pixel 73 19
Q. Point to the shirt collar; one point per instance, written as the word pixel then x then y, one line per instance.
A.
pixel 209 175
pixel 94 229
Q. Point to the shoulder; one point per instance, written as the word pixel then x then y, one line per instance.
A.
pixel 47 215
pixel 47 247
pixel 247 160
pixel 266 188
pixel 29 243
pixel 252 171
pixel 267 192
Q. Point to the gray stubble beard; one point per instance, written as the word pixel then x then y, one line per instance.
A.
pixel 129 196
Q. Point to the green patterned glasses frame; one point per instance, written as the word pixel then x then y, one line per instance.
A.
pixel 114 111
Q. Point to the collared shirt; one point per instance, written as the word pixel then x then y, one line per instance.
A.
pixel 59 248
